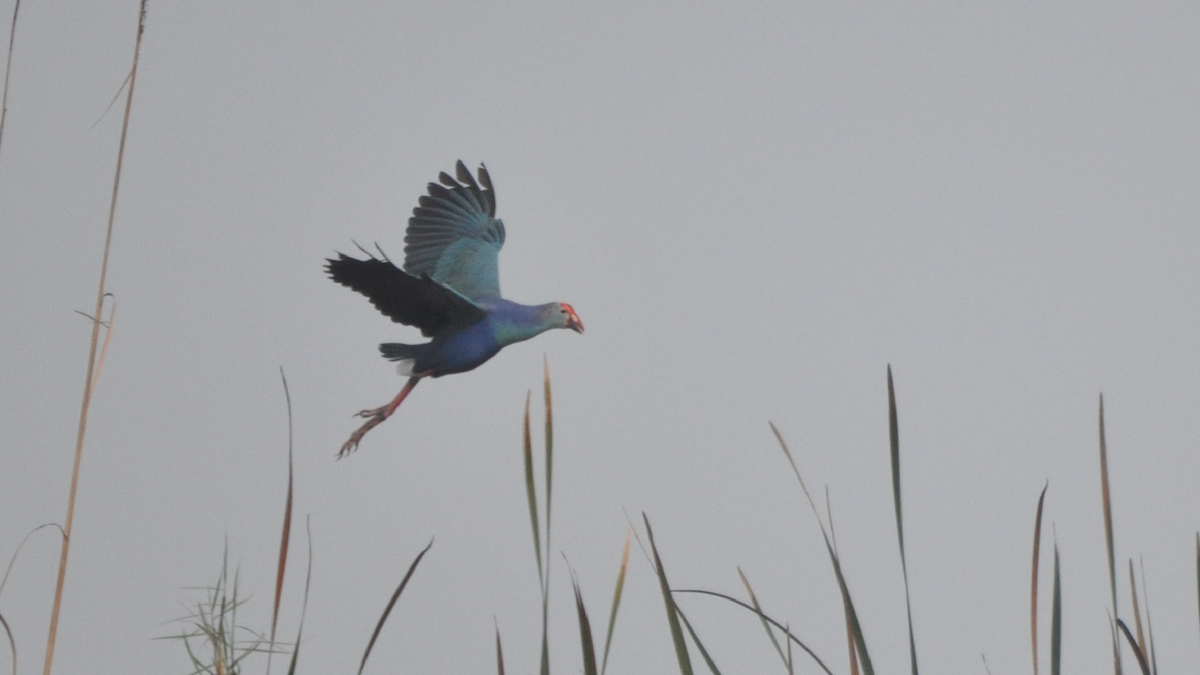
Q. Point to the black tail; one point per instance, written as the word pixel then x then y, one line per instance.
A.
pixel 395 351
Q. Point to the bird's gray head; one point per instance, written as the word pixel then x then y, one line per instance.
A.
pixel 563 315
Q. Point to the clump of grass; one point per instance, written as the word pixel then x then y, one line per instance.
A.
pixel 1140 638
pixel 214 621
pixel 216 643
pixel 211 637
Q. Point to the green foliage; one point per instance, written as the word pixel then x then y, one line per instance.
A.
pixel 215 642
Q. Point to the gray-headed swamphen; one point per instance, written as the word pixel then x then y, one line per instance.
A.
pixel 449 289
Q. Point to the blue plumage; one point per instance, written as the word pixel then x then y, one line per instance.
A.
pixel 449 289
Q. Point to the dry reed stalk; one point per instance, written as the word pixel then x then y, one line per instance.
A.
pixel 91 369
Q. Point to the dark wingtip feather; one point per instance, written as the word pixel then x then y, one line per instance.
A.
pixel 464 175
pixel 447 180
pixel 335 267
pixel 489 193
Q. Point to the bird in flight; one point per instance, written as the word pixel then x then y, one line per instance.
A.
pixel 449 289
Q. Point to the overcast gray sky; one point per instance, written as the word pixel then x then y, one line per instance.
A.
pixel 754 208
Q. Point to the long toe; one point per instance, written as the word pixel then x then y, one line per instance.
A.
pixel 374 418
pixel 348 447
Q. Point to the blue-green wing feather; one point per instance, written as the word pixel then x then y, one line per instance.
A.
pixel 454 235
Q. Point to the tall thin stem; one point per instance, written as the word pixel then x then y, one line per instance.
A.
pixel 91 369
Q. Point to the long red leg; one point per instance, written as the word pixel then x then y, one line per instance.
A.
pixel 376 416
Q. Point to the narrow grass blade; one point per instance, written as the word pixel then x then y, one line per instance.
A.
pixel 791 638
pixel 287 526
pixel 612 615
pixel 545 670
pixel 859 641
pixel 91 370
pixel 13 560
pixel 894 435
pixel 1145 667
pixel 790 663
pixel 499 654
pixel 1137 612
pixel 12 644
pixel 712 666
pixel 12 38
pixel 392 603
pixel 1033 592
pixel 531 493
pixel 850 642
pixel 304 603
pixel 681 651
pixel 1108 534
pixel 1149 625
pixel 549 453
pixel 1056 620
pixel 585 631
pixel 762 617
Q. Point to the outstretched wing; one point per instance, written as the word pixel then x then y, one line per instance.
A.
pixel 411 300
pixel 454 235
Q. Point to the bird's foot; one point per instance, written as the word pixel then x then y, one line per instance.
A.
pixel 374 417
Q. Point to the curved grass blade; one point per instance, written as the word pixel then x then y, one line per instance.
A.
pixel 1106 496
pixel 499 653
pixel 585 631
pixel 859 641
pixel 850 644
pixel 763 618
pixel 531 494
pixel 543 571
pixel 287 527
pixel 1137 612
pixel 612 615
pixel 681 651
pixel 1056 620
pixel 12 644
pixel 12 38
pixel 13 560
pixel 894 436
pixel 549 454
pixel 773 622
pixel 1149 626
pixel 1033 593
pixel 549 491
pixel 392 603
pixel 304 604
pixel 712 666
pixel 1145 667
pixel 790 662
